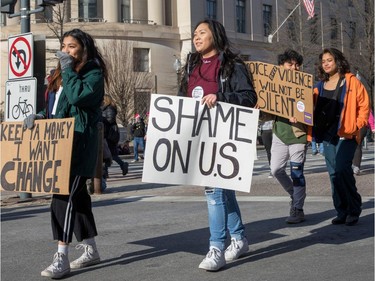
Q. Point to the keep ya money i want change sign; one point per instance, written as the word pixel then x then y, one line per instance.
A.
pixel 190 144
pixel 37 160
pixel 283 92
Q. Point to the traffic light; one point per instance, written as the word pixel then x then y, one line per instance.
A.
pixel 7 6
pixel 48 2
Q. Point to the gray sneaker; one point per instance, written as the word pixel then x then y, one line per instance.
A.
pixel 89 257
pixel 236 249
pixel 296 216
pixel 214 260
pixel 58 268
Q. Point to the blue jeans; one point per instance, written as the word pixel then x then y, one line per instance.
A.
pixel 346 199
pixel 136 142
pixel 223 214
pixel 315 149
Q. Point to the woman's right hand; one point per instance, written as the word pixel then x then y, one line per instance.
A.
pixel 209 100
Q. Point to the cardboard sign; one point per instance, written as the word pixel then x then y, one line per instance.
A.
pixel 283 92
pixel 37 160
pixel 188 143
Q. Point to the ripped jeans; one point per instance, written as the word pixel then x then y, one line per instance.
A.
pixel 223 214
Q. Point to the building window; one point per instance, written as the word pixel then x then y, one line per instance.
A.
pixel 211 9
pixel 314 30
pixel 240 13
pixel 267 19
pixel 141 60
pixel 334 28
pixel 352 33
pixel 168 13
pixel 87 9
pixel 292 30
pixel 367 6
pixel 125 10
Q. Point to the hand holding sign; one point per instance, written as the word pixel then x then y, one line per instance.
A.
pixel 28 122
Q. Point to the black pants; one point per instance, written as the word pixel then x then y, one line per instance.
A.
pixel 73 213
pixel 267 142
pixel 357 159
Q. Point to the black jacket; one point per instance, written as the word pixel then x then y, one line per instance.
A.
pixel 236 87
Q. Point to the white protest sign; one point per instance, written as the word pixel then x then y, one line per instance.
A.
pixel 187 143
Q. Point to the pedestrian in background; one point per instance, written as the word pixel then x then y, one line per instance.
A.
pixel 76 90
pixel 317 148
pixel 342 100
pixel 112 133
pixel 289 142
pixel 215 73
pixel 266 135
pixel 139 133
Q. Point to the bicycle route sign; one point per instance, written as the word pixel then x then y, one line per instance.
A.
pixel 20 56
pixel 20 99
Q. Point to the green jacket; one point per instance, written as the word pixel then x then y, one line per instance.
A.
pixel 289 133
pixel 81 98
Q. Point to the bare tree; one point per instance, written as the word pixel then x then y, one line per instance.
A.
pixel 57 18
pixel 309 36
pixel 129 89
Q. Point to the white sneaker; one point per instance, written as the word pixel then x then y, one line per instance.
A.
pixel 58 268
pixel 89 257
pixel 213 261
pixel 236 249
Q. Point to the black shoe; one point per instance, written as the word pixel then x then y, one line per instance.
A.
pixel 124 168
pixel 351 220
pixel 338 220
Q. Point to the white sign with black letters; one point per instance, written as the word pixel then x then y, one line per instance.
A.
pixel 20 99
pixel 188 143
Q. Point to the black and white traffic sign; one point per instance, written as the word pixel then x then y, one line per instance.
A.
pixel 20 99
pixel 20 56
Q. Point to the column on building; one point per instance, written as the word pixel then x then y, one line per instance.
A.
pixel 110 10
pixel 155 10
pixel 74 10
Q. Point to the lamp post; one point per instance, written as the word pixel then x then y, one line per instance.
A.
pixel 177 68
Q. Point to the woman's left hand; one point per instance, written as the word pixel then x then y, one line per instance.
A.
pixel 209 100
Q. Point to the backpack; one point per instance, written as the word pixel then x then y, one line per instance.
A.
pixel 113 134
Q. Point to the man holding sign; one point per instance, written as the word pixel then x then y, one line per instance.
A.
pixel 289 143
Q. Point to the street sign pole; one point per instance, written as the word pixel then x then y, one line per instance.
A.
pixel 25 27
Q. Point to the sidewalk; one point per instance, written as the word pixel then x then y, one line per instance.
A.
pixel 160 233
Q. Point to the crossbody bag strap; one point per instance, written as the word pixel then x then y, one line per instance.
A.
pixel 335 95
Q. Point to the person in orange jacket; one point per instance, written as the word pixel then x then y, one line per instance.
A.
pixel 339 92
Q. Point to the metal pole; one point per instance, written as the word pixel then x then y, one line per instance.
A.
pixel 273 34
pixel 25 28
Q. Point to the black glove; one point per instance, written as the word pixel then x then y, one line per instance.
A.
pixel 28 122
pixel 65 60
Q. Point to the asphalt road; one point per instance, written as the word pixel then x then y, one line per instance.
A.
pixel 159 232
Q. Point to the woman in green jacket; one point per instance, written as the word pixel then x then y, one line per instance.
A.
pixel 76 90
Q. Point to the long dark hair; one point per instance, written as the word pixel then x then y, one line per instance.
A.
pixel 90 52
pixel 341 62
pixel 221 43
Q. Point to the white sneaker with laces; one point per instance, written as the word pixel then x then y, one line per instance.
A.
pixel 58 268
pixel 89 257
pixel 213 261
pixel 236 249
